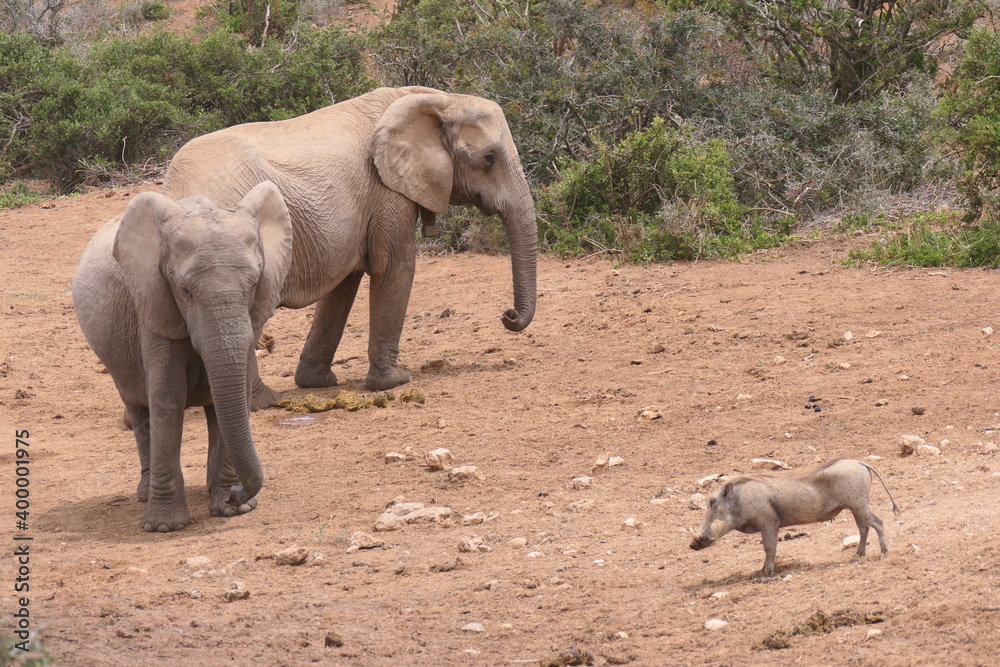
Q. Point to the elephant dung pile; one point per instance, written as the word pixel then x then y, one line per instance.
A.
pixel 346 400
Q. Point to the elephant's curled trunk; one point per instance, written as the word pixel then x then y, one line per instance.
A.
pixel 226 365
pixel 522 232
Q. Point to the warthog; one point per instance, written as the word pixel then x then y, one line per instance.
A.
pixel 764 503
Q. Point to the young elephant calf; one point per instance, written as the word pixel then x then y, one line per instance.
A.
pixel 764 503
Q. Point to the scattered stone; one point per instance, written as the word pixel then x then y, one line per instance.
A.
pixel 196 594
pixel 705 481
pixel 873 334
pixel 333 640
pixel 908 444
pixel 848 335
pixel 236 591
pixel 428 515
pixel 744 397
pixel 715 624
pixel 399 514
pixel 438 459
pixel 987 331
pixel 581 505
pixel 778 359
pixel 291 556
pixel 918 410
pixel 534 554
pixel 852 541
pixel 473 519
pixel 928 450
pixel 650 414
pixel 490 585
pixel 882 402
pixel 580 483
pixel 198 563
pixel 518 542
pixel 465 474
pixel 872 634
pixel 697 501
pixel 615 461
pixel 471 544
pixel 361 540
pixel 719 595
pixel 990 448
pixel 473 627
pixel 632 522
pixel 768 464
pixel 845 366
pixel 600 465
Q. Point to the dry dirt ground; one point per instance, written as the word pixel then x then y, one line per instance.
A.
pixel 728 352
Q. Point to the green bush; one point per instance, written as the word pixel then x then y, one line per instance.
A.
pixel 932 239
pixel 971 108
pixel 660 194
pixel 24 63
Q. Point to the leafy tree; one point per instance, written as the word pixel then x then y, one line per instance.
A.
pixel 971 108
pixel 853 48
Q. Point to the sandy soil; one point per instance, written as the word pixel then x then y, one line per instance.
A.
pixel 728 353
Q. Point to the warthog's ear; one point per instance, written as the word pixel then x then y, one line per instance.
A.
pixel 727 488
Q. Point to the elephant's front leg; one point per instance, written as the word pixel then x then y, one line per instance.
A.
pixel 391 282
pixel 221 475
pixel 327 330
pixel 166 507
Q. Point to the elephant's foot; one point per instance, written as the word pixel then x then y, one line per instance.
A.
pixel 382 379
pixel 142 492
pixel 262 396
pixel 310 376
pixel 219 505
pixel 163 518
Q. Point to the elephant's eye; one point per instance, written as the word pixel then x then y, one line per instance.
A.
pixel 187 293
pixel 491 159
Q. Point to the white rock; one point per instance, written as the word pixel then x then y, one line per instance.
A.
pixel 872 634
pixel 649 414
pixel 473 544
pixel 632 522
pixel 990 447
pixel 600 465
pixel 581 505
pixel 659 501
pixel 705 481
pixel 429 515
pixel 715 624
pixel 930 450
pixel 767 464
pixel 236 591
pixel 534 554
pixel 719 595
pixel 580 483
pixel 852 541
pixel 292 556
pixel 361 540
pixel 198 563
pixel 438 459
pixel 518 542
pixel 845 366
pixel 848 335
pixel 473 627
pixel 697 501
pixel 465 474
pixel 908 444
pixel 744 397
pixel 473 519
pixel 615 461
pixel 778 359
pixel 987 331
pixel 872 333
pixel 394 457
pixel 388 522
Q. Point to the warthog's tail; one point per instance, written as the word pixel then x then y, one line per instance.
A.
pixel 895 510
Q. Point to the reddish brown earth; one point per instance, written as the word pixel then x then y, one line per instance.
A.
pixel 728 352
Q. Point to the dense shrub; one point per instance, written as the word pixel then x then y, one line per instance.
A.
pixel 136 99
pixel 660 194
pixel 23 65
pixel 931 239
pixel 972 110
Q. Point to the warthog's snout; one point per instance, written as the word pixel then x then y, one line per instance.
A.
pixel 698 542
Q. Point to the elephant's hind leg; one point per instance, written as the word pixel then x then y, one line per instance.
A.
pixel 327 330
pixel 221 474
pixel 138 417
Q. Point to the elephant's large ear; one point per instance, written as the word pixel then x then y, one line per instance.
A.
pixel 410 153
pixel 137 251
pixel 266 205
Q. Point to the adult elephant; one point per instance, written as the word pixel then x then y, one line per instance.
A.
pixel 356 176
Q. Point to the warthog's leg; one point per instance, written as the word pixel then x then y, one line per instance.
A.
pixel 769 538
pixel 867 518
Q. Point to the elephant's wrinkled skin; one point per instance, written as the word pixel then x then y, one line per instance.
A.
pixel 356 175
pixel 172 297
